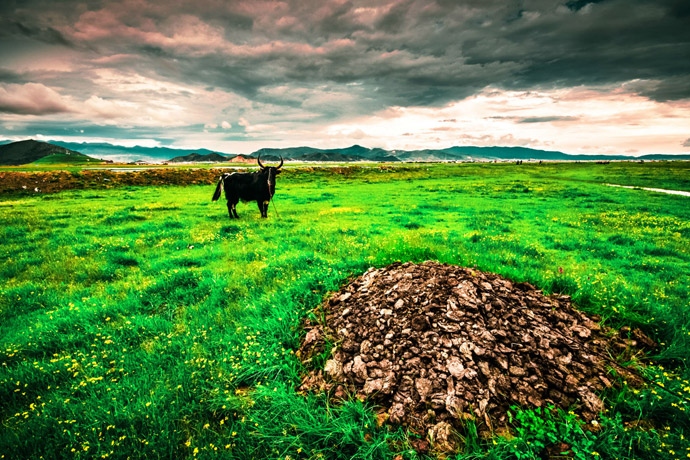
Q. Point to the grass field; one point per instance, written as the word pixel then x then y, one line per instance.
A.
pixel 140 322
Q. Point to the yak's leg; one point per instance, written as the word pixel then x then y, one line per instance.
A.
pixel 263 207
pixel 232 208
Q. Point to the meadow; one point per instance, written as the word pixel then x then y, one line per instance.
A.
pixel 141 322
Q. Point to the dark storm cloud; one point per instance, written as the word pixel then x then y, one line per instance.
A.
pixel 604 43
pixel 66 129
pixel 397 52
pixel 668 89
pixel 424 53
pixel 686 143
pixel 577 5
pixel 9 76
pixel 49 35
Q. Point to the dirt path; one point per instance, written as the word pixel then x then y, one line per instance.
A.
pixel 660 190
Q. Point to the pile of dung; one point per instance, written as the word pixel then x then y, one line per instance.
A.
pixel 435 344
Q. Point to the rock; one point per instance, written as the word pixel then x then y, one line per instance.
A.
pixel 455 367
pixel 466 350
pixel 643 340
pixel 397 413
pixel 359 368
pixel 469 374
pixel 592 402
pixel 606 381
pixel 582 331
pixel 423 387
pixel 454 405
pixel 485 369
pixel 388 383
pixel 438 401
pixel 373 386
pixel 350 344
pixel 313 336
pixel 334 369
pixel 443 437
pixel 420 323
pixel 517 371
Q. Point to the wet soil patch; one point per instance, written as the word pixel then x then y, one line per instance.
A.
pixel 434 345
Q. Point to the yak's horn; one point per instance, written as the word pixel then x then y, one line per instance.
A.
pixel 281 162
pixel 259 160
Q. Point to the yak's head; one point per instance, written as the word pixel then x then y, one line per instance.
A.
pixel 271 172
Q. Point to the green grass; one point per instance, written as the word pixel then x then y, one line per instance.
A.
pixel 141 322
pixel 66 159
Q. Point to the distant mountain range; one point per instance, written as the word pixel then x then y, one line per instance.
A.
pixel 25 152
pixel 359 153
pixel 122 154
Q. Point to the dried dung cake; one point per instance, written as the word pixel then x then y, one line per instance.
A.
pixel 435 344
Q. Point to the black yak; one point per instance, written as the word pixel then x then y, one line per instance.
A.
pixel 259 186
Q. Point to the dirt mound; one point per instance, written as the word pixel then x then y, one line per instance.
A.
pixel 436 344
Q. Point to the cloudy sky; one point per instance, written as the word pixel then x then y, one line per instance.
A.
pixel 578 76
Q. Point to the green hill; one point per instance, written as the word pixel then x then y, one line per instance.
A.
pixel 31 151
pixel 196 157
pixel 66 158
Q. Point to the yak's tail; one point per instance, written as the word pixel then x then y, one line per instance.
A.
pixel 219 187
